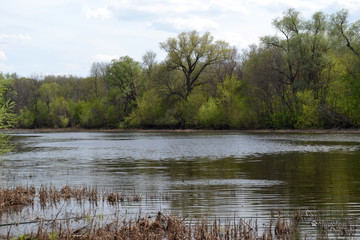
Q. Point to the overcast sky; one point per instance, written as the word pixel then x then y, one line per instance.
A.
pixel 67 36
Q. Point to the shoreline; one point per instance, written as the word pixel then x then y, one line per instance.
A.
pixel 121 130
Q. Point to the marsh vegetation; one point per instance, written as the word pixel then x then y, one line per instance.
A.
pixel 43 214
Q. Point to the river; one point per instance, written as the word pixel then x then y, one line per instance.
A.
pixel 206 174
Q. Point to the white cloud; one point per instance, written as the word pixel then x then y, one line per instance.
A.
pixel 3 56
pixel 159 6
pixel 351 5
pixel 103 58
pixel 102 13
pixel 10 38
pixel 309 5
pixel 30 42
pixel 186 24
pixel 6 68
pixel 234 38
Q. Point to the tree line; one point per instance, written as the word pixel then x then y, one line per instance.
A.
pixel 307 75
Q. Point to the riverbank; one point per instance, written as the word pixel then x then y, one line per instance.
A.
pixel 134 130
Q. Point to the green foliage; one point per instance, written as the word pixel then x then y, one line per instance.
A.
pixel 191 53
pixel 63 122
pixel 189 108
pixel 75 112
pixel 125 74
pixel 59 112
pixel 306 76
pixel 236 112
pixel 148 113
pixel 7 117
pixel 93 114
pixel 341 107
pixel 308 115
pixel 42 113
pixel 49 91
pixel 210 115
pixel 24 237
pixel 345 33
pixel 26 118
pixel 53 236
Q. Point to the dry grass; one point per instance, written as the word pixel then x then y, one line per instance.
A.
pixel 13 199
pixel 160 226
pixel 52 195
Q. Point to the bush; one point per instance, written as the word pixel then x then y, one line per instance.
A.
pixel 148 113
pixel 26 118
pixel 308 114
pixel 210 115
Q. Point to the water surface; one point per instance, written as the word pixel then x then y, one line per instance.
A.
pixel 208 174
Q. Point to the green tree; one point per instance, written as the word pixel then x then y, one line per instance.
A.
pixel 93 114
pixel 59 112
pixel 308 114
pixel 149 111
pixel 345 97
pixel 236 112
pixel 269 94
pixel 97 77
pixel 303 48
pixel 7 117
pixel 149 62
pixel 290 46
pixel 191 53
pixel 190 107
pixel 317 58
pixel 126 75
pixel 210 114
pixel 345 33
pixel 26 118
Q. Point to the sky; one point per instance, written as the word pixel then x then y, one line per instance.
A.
pixel 64 37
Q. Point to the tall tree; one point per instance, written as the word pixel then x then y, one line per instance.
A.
pixel 317 46
pixel 149 62
pixel 303 46
pixel 97 73
pixel 290 44
pixel 126 75
pixel 7 117
pixel 191 53
pixel 345 32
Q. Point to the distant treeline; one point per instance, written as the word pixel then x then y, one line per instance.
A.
pixel 305 76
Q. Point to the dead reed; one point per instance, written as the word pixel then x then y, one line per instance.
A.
pixel 13 199
pixel 51 195
pixel 160 226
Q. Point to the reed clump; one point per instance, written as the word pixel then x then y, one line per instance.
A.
pixel 14 198
pixel 158 228
pixel 52 195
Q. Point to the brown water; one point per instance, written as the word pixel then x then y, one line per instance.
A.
pixel 207 174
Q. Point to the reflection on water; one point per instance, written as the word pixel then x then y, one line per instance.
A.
pixel 208 174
